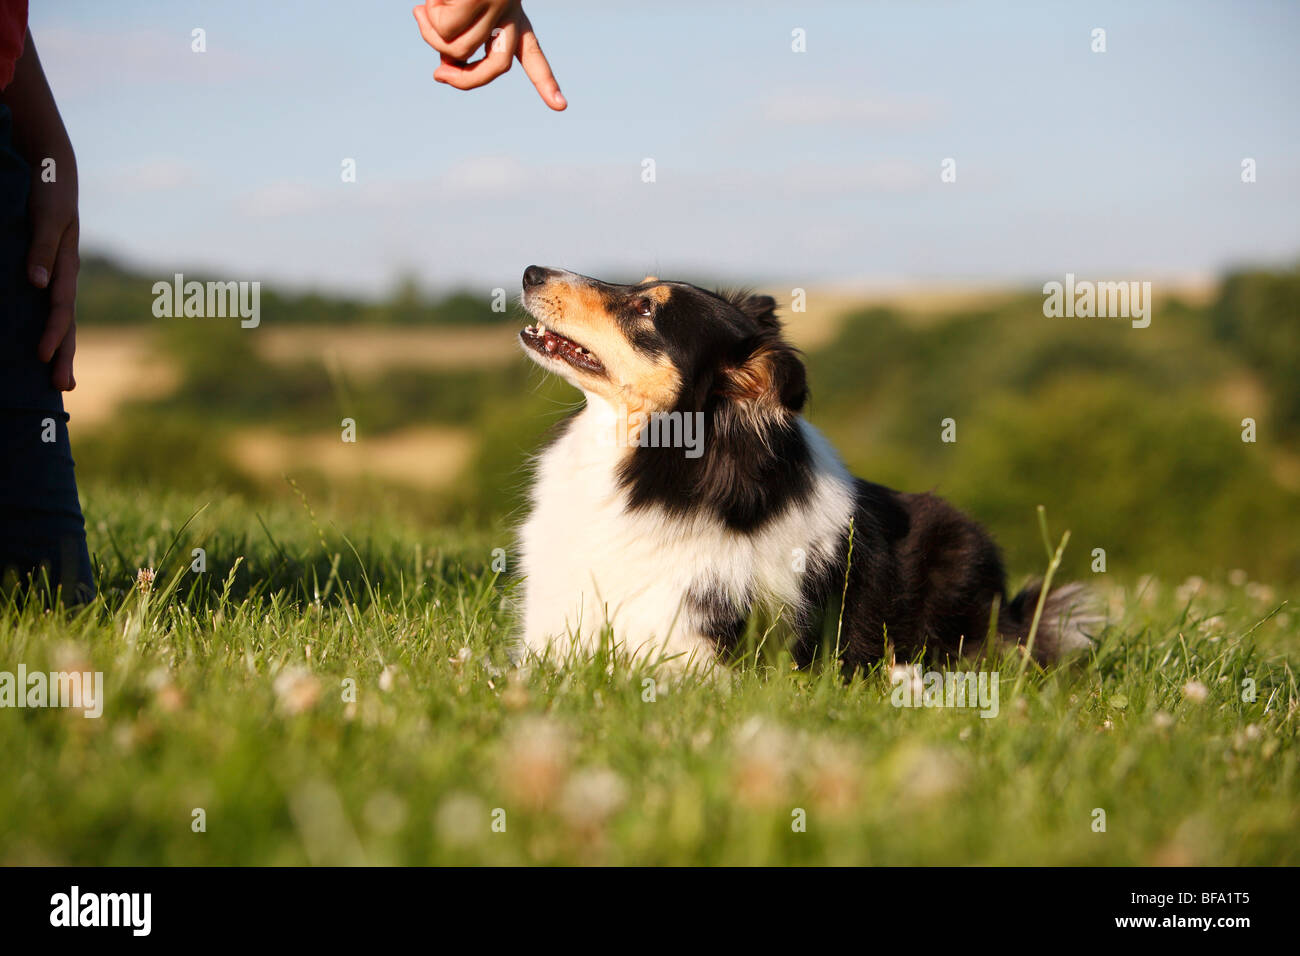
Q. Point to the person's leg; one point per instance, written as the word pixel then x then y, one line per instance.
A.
pixel 41 526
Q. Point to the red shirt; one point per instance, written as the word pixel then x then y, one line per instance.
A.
pixel 13 29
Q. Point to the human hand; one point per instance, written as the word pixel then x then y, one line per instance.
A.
pixel 53 262
pixel 456 28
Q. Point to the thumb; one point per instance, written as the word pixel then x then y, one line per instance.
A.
pixel 40 257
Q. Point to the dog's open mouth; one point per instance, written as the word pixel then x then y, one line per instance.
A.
pixel 553 345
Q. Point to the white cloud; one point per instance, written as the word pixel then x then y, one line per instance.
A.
pixel 494 185
pixel 824 108
pixel 284 198
pixel 150 175
pixel 488 176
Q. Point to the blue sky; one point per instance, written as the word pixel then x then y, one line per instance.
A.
pixel 771 165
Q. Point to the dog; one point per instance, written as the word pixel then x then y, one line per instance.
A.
pixel 669 545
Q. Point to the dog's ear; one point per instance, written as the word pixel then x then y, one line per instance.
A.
pixel 760 308
pixel 770 377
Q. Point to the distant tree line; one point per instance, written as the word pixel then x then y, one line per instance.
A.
pixel 111 294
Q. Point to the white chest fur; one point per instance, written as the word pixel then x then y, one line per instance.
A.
pixel 589 562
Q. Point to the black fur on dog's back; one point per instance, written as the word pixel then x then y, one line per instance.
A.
pixel 922 576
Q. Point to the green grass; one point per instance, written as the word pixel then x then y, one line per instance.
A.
pixel 224 692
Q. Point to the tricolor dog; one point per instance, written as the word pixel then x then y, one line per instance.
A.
pixel 689 491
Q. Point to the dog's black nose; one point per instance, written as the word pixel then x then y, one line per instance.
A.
pixel 535 275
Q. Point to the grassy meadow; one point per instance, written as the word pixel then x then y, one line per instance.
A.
pixel 336 687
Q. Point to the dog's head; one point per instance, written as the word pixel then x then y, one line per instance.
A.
pixel 658 346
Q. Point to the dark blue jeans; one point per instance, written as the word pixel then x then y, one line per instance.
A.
pixel 41 528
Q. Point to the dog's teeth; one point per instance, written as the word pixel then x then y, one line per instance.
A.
pixel 541 329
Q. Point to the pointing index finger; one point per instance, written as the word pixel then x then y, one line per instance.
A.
pixel 533 60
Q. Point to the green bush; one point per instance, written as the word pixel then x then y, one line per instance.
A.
pixel 1258 315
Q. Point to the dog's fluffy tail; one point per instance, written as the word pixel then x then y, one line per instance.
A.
pixel 1069 623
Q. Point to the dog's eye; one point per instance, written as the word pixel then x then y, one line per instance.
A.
pixel 643 306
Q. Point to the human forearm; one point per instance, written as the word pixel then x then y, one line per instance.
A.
pixel 39 133
pixel 52 257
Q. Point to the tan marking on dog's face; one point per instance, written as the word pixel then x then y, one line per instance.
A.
pixel 634 383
